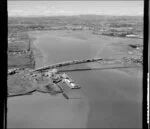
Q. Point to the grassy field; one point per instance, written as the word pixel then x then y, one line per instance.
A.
pixel 19 51
pixel 106 25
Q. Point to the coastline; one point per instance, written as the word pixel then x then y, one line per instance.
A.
pixel 101 93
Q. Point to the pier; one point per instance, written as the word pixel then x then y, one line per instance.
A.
pixel 42 69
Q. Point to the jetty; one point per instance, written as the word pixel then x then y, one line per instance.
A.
pixel 42 69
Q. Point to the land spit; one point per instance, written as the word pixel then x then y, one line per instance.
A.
pixel 23 81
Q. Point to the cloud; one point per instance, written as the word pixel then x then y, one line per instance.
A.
pixel 16 11
pixel 140 13
pixel 52 7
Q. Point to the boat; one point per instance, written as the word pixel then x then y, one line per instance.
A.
pixel 65 76
pixel 70 84
pixel 75 86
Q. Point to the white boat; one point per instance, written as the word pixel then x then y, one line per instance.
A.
pixel 70 84
pixel 65 76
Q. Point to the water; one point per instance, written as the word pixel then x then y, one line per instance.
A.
pixel 108 98
pixel 45 111
pixel 114 98
pixel 61 47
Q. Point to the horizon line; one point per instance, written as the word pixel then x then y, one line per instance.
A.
pixel 75 15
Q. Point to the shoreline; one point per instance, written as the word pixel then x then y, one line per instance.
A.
pixel 101 93
pixel 38 56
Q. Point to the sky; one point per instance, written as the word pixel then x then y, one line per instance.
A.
pixel 67 8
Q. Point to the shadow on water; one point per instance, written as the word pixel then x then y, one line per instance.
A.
pixel 87 69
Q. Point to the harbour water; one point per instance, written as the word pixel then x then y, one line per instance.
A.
pixel 107 99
